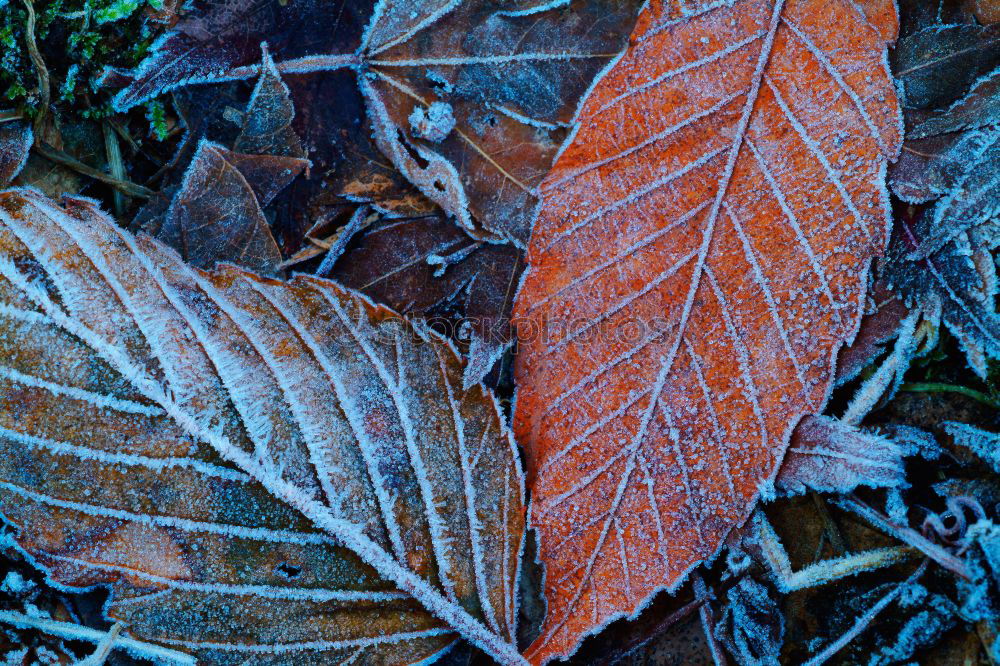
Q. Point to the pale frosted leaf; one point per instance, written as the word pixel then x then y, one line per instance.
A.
pixel 828 455
pixel 260 470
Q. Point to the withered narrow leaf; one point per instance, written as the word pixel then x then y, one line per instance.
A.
pixel 700 255
pixel 828 455
pixel 279 472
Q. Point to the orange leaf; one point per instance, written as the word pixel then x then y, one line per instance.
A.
pixel 701 254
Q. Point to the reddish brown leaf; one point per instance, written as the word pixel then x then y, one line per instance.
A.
pixel 700 255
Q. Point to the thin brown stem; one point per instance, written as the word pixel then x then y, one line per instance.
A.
pixel 41 71
pixel 124 186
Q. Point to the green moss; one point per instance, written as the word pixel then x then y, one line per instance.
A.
pixel 157 117
pixel 78 40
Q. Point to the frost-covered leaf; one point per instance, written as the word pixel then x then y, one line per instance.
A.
pixel 925 618
pixel 422 266
pixel 267 123
pixel 700 255
pixel 980 596
pixel 979 108
pixel 938 63
pixel 943 263
pixel 261 471
pixel 972 199
pixel 504 78
pixel 15 142
pixel 752 626
pixel 984 444
pixel 828 455
pixel 216 213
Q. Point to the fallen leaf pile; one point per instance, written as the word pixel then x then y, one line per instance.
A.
pixel 720 276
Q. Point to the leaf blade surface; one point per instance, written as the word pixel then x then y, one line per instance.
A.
pixel 700 255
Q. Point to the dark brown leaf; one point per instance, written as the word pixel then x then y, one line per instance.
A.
pixel 422 266
pixel 216 214
pixel 267 123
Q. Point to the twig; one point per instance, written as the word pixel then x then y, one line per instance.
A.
pixel 906 535
pixel 133 145
pixel 104 648
pixel 58 156
pixel 866 619
pixel 833 533
pixel 937 387
pixel 10 116
pixel 41 71
pixel 707 625
pixel 770 549
pixel 76 632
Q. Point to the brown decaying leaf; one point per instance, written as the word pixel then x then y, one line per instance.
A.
pixel 877 328
pixel 267 124
pixel 216 214
pixel 15 142
pixel 392 263
pixel 265 471
pixel 700 255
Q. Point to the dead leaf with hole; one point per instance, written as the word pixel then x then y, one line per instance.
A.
pixel 278 472
pixel 700 255
pixel 468 100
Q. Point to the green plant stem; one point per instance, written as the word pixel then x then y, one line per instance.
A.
pixel 936 387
